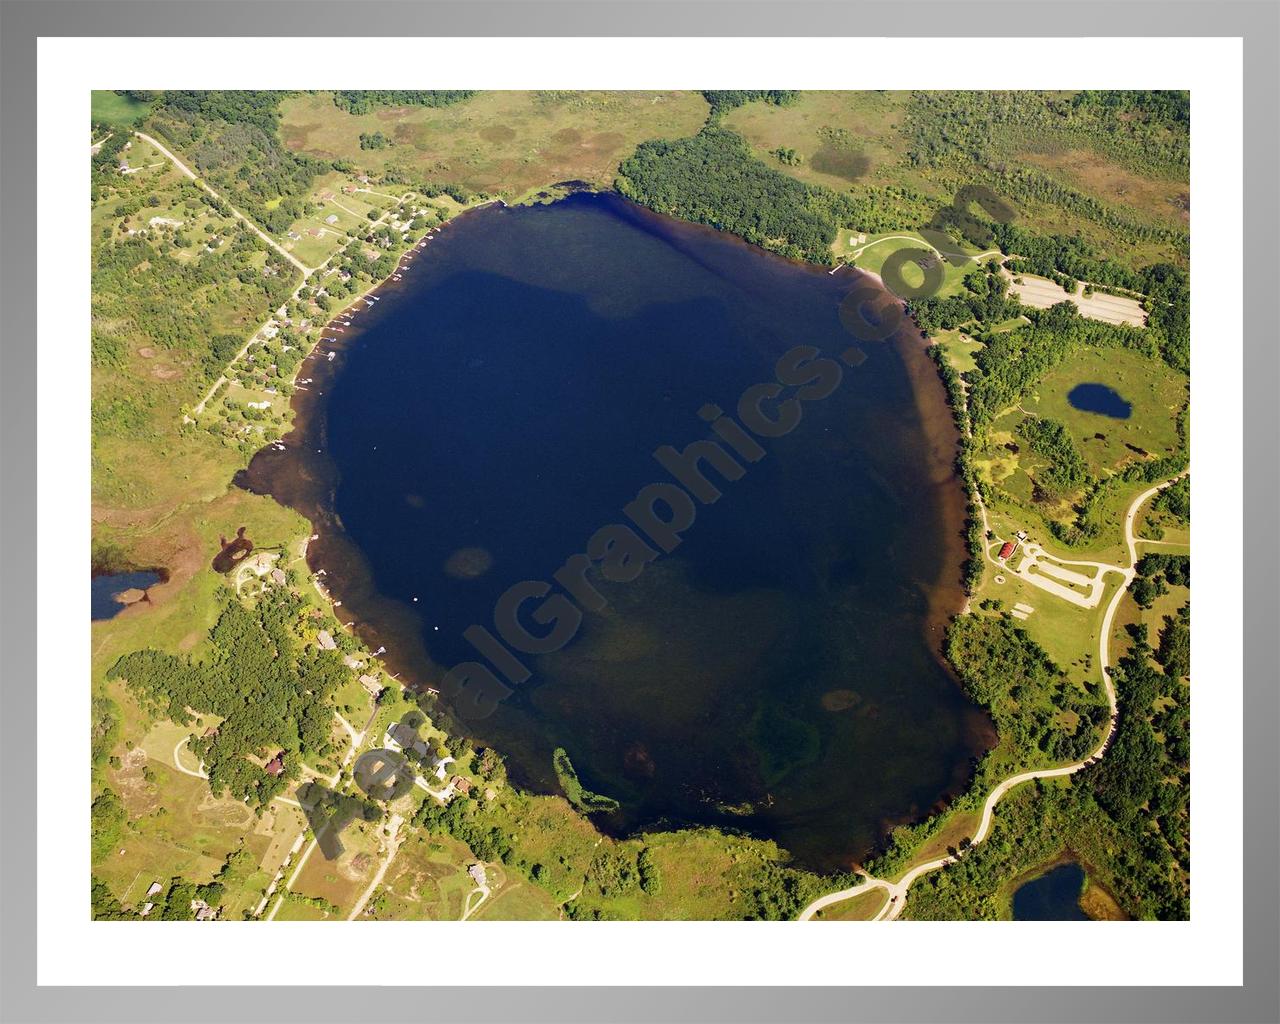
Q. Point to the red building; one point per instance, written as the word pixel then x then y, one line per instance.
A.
pixel 1008 549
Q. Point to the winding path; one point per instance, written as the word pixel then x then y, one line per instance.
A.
pixel 897 891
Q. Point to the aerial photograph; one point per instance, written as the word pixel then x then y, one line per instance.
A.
pixel 640 505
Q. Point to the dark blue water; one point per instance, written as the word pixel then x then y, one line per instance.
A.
pixel 1100 399
pixel 1054 896
pixel 102 602
pixel 776 672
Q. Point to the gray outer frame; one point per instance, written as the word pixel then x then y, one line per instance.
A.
pixel 1258 1000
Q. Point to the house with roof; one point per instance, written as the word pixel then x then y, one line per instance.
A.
pixel 275 767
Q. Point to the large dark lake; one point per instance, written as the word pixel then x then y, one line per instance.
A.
pixel 778 672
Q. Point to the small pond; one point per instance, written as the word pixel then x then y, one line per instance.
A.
pixel 1054 896
pixel 1100 399
pixel 103 591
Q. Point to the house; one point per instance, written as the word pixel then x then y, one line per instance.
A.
pixel 352 662
pixel 438 766
pixel 147 908
pixel 461 785
pixel 331 219
pixel 476 871
pixel 371 684
pixel 1008 549
pixel 278 577
pixel 275 766
pixel 325 640
pixel 258 405
pixel 400 737
pixel 155 888
pixel 209 734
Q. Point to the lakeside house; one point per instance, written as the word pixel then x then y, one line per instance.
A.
pixel 325 639
pixel 400 737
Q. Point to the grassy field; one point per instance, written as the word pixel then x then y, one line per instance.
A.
pixel 116 109
pixel 1157 395
pixel 502 143
pixel 858 908
pixel 843 137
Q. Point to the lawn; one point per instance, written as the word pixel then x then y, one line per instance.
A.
pixel 501 143
pixel 872 253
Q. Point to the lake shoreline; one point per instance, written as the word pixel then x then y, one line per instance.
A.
pixel 302 477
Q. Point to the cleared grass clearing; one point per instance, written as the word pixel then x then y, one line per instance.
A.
pixel 871 253
pixel 343 880
pixel 427 881
pixel 959 348
pixel 501 143
pixel 109 107
pixel 1156 392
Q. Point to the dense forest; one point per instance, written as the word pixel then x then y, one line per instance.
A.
pixel 1039 713
pixel 1145 130
pixel 723 100
pixel 713 178
pixel 361 101
pixel 271 692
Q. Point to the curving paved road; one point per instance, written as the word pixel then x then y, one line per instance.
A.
pixel 897 891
